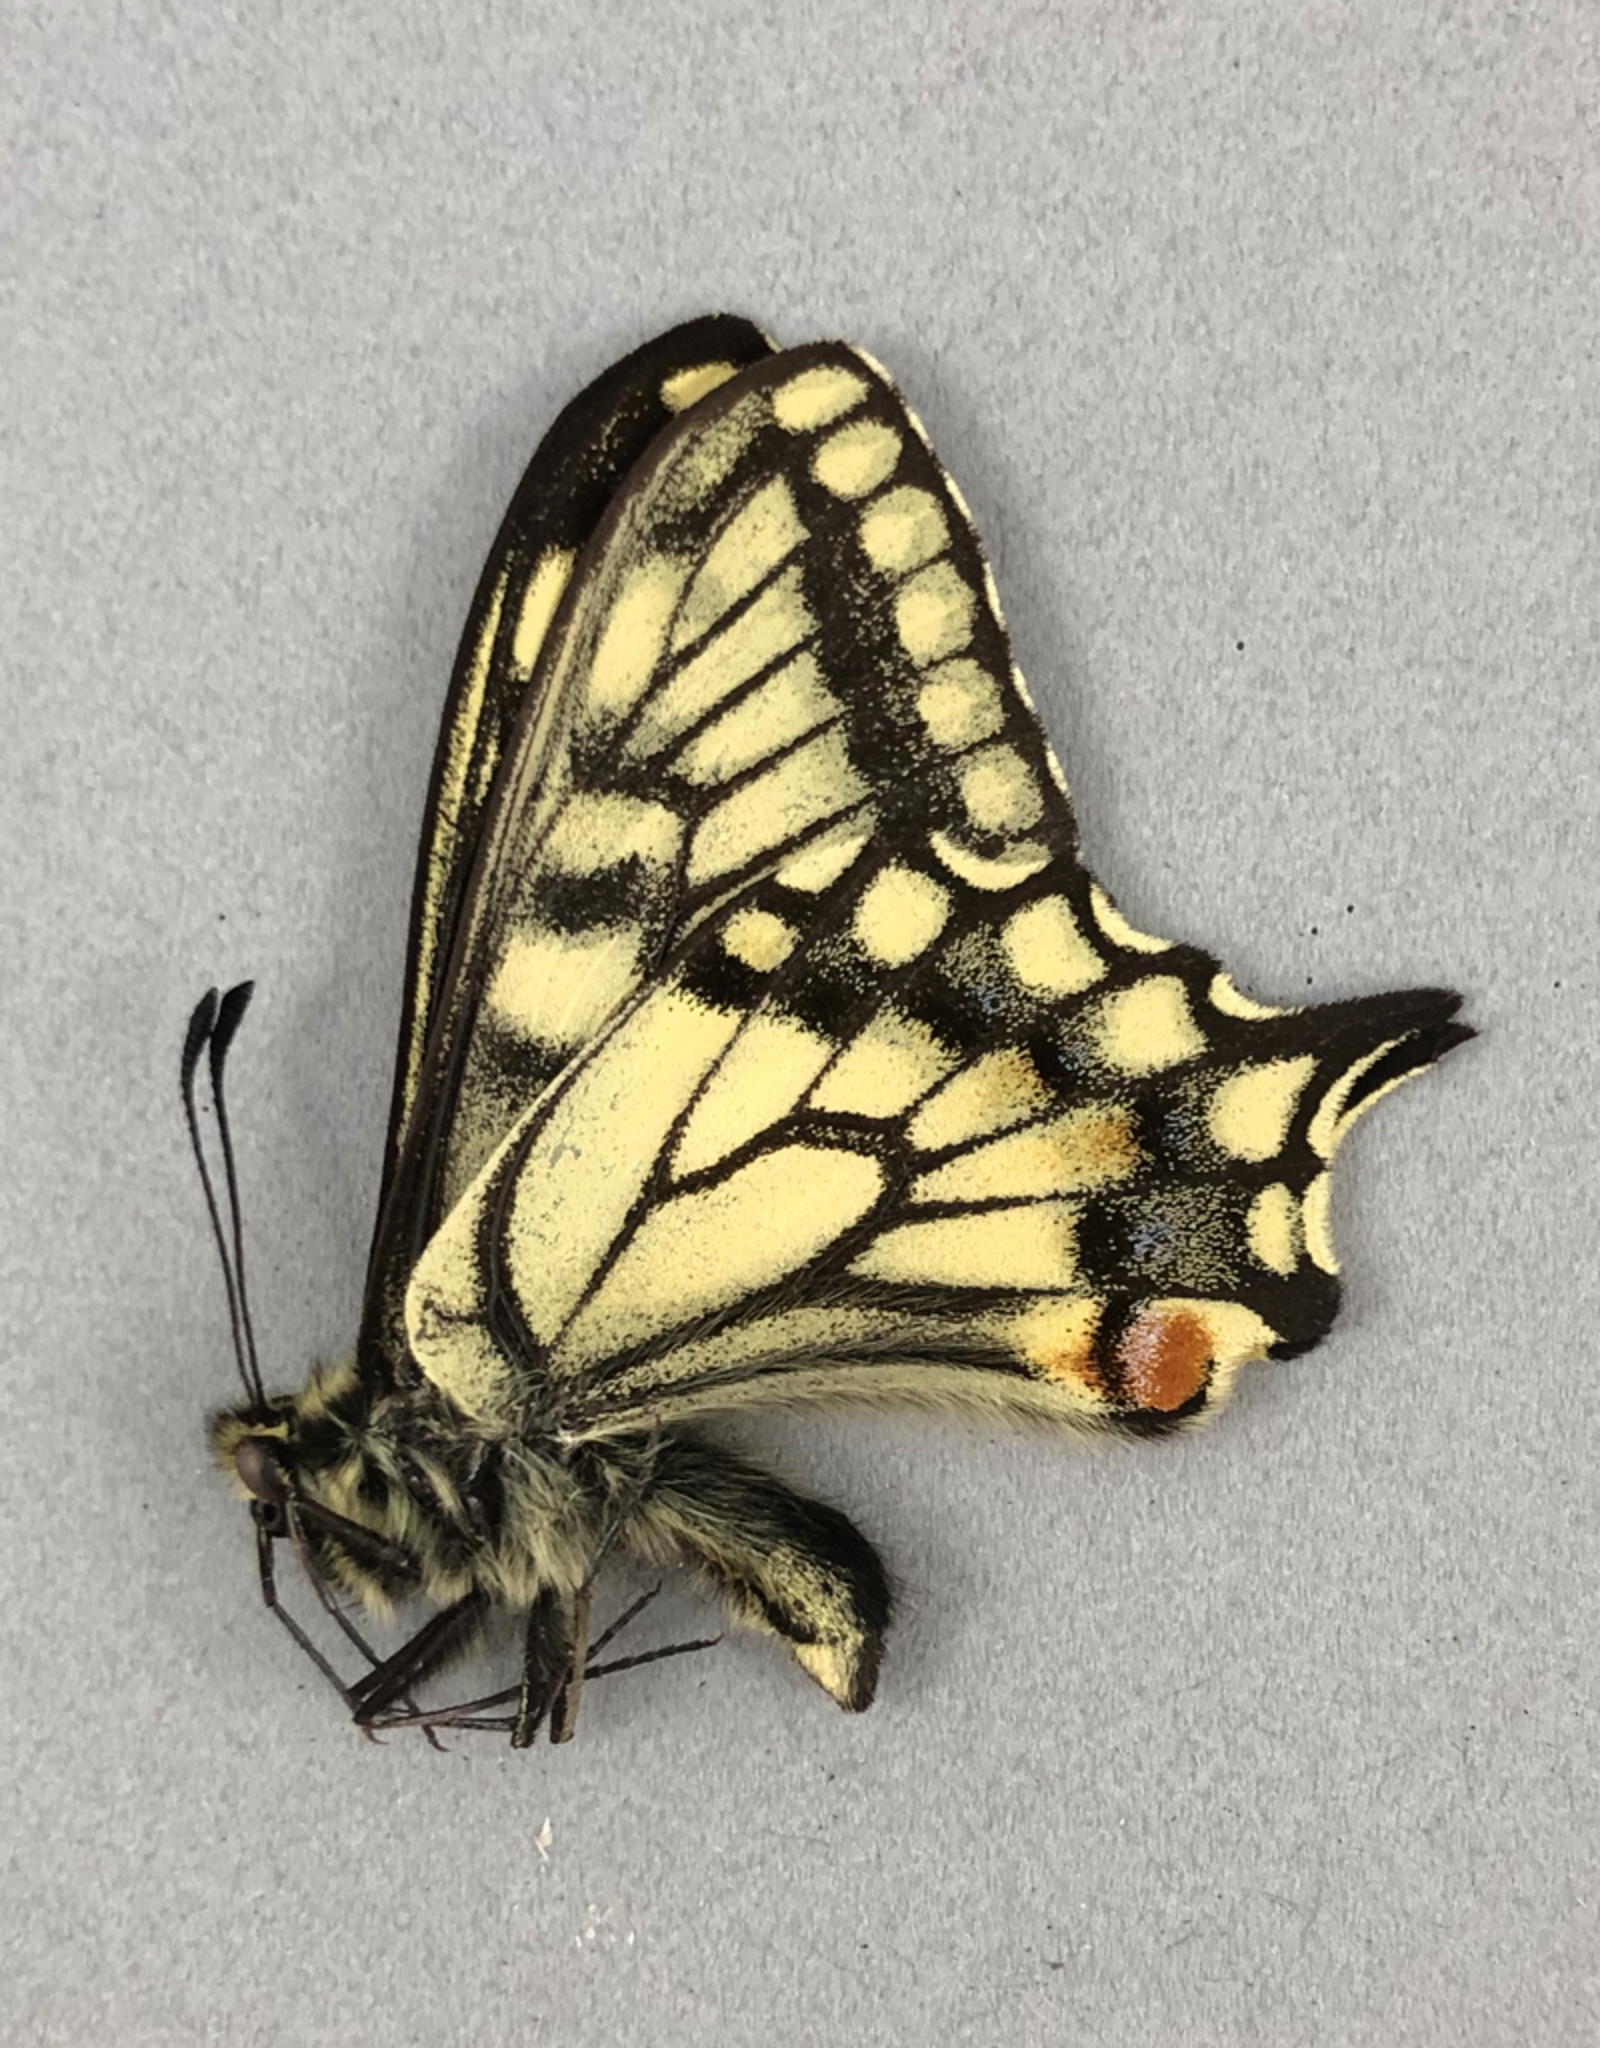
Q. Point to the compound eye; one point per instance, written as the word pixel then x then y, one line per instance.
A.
pixel 256 1462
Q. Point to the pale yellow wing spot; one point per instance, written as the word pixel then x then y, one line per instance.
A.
pixel 598 1146
pixel 777 622
pixel 1317 1222
pixel 1238 1335
pixel 687 387
pixel 762 534
pixel 459 745
pixel 632 642
pixel 758 938
pixel 933 612
pixel 815 782
pixel 792 702
pixel 1272 1228
pixel 704 463
pixel 1373 1096
pixel 571 1197
pixel 703 1251
pixel 1330 1124
pixel 998 1090
pixel 1142 1029
pixel 1017 863
pixel 538 607
pixel 866 356
pixel 829 856
pixel 1251 1110
pixel 957 495
pixel 1056 1338
pixel 903 529
pixel 1047 950
pixel 900 914
pixel 792 1335
pixel 959 703
pixel 445 1305
pixel 816 397
pixel 557 988
pixel 856 459
pixel 488 766
pixel 999 791
pixel 1069 1154
pixel 888 1065
pixel 1057 774
pixel 764 1074
pixel 1033 1247
pixel 464 731
pixel 1337 1129
pixel 596 829
pixel 1117 928
pixel 1233 1002
pixel 1019 683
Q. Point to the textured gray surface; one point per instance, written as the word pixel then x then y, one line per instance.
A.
pixel 1239 324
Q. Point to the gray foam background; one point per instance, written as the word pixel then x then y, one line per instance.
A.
pixel 1238 324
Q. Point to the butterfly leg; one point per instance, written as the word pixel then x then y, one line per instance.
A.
pixel 547 1665
pixel 479 1713
pixel 782 1563
pixel 266 1567
pixel 564 1714
pixel 333 1607
pixel 433 1646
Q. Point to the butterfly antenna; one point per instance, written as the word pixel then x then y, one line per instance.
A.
pixel 230 1015
pixel 203 1025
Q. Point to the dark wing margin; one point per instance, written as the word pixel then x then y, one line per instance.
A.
pixel 572 478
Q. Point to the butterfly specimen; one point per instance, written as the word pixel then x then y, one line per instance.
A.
pixel 766 1039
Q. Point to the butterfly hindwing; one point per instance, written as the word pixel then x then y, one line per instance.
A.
pixel 1096 1210
pixel 856 1080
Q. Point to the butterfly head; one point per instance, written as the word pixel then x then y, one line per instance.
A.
pixel 261 1446
pixel 250 1446
pixel 355 1487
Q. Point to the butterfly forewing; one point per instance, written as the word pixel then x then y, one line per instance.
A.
pixel 780 636
pixel 856 1081
pixel 494 701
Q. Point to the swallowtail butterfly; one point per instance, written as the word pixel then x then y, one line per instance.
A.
pixel 765 1039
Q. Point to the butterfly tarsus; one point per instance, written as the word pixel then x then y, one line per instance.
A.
pixel 542 1686
pixel 432 1646
pixel 629 1613
pixel 266 1567
pixel 652 1656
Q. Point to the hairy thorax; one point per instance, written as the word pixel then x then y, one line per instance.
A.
pixel 392 1496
